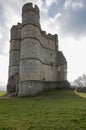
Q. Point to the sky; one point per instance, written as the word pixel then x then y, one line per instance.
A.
pixel 67 18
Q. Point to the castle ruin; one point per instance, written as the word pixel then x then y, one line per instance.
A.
pixel 35 63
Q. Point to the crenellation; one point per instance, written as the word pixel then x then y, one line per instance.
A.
pixel 16 32
pixel 29 7
pixel 43 33
pixel 49 35
pixel 19 25
pixel 36 9
pixel 30 15
pixel 35 60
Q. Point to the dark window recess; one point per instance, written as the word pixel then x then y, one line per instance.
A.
pixel 43 79
pixel 51 54
pixel 51 64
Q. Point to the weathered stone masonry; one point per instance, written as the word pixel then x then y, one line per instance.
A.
pixel 35 61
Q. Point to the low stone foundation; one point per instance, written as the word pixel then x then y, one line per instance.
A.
pixel 31 88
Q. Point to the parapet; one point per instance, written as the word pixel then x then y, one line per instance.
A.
pixel 18 26
pixel 14 27
pixel 49 36
pixel 16 32
pixel 29 7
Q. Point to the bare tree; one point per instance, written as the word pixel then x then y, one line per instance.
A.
pixel 81 81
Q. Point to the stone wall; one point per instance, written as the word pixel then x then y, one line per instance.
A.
pixel 14 60
pixel 15 44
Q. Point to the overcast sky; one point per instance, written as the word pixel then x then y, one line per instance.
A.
pixel 67 18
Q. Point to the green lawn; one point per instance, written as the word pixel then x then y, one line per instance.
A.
pixel 80 94
pixel 2 93
pixel 51 110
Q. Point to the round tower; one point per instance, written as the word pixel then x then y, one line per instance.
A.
pixel 29 64
pixel 14 60
pixel 30 14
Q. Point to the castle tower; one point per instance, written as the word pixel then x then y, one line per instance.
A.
pixel 29 65
pixel 38 54
pixel 36 63
pixel 14 61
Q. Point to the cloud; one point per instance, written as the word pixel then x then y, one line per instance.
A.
pixel 75 16
pixel 70 19
pixel 10 14
pixel 50 2
pixel 3 39
pixel 75 54
pixel 6 13
pixel 74 4
pixel 64 17
pixel 3 70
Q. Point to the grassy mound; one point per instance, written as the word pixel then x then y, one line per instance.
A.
pixel 51 110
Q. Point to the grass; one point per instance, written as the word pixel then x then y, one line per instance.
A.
pixel 51 110
pixel 2 93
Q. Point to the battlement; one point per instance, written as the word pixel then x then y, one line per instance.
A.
pixel 16 32
pixel 49 36
pixel 29 7
pixel 15 27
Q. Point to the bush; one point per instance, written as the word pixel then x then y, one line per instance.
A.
pixel 81 89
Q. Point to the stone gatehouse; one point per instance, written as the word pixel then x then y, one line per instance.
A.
pixel 35 63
